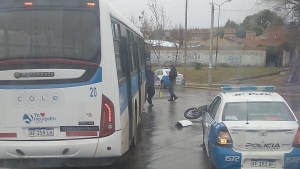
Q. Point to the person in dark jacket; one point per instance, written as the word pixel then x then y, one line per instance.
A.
pixel 150 85
pixel 172 78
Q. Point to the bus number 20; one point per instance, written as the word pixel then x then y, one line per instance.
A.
pixel 93 92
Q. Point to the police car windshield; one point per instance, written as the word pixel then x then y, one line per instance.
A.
pixel 257 111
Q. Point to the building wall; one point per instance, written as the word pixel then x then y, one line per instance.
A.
pixel 250 35
pixel 225 57
pixel 222 42
pixel 230 33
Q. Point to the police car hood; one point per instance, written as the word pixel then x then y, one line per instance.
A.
pixel 262 135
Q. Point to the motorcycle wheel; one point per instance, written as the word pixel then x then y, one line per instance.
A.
pixel 192 113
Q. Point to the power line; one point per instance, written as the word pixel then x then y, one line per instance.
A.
pixel 241 10
pixel 170 2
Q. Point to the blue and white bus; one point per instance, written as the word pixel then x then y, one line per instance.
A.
pixel 72 83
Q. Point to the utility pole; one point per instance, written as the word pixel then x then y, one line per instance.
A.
pixel 211 45
pixel 218 31
pixel 185 39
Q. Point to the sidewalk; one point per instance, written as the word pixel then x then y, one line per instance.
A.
pixel 286 89
pixel 291 89
pixel 279 80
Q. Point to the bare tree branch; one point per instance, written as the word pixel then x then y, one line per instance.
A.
pixel 154 25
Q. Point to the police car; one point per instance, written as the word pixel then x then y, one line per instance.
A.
pixel 163 77
pixel 251 127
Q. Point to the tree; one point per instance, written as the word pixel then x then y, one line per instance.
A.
pixel 230 24
pixel 291 10
pixel 146 25
pixel 260 22
pixel 177 39
pixel 154 26
pixel 241 32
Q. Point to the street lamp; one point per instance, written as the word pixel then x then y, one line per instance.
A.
pixel 185 38
pixel 217 48
pixel 211 45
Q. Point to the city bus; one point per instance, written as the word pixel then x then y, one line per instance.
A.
pixel 72 83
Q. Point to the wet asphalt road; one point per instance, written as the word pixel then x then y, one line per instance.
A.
pixel 162 145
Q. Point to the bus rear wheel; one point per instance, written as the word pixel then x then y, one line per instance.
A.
pixel 134 140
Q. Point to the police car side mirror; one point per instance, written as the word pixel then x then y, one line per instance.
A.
pixel 203 108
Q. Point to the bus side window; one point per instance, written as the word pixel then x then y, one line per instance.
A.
pixel 131 50
pixel 136 53
pixel 140 52
pixel 117 48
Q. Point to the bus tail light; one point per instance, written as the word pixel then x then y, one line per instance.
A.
pixel 224 139
pixel 107 123
pixel 297 139
pixel 91 4
pixel 28 3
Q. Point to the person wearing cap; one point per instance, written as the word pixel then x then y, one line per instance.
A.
pixel 172 78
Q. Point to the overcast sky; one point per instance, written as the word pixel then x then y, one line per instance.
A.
pixel 198 10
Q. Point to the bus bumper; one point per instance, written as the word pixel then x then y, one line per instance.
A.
pixel 80 152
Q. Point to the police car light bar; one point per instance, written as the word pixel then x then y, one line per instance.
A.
pixel 248 88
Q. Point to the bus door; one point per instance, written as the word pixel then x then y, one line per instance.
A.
pixel 140 77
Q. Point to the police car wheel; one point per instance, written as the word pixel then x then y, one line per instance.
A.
pixel 211 166
pixel 203 143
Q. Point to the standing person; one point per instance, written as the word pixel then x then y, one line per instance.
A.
pixel 150 85
pixel 172 78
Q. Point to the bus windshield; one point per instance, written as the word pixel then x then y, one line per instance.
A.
pixel 49 33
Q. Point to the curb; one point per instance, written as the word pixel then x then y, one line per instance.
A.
pixel 285 93
pixel 204 88
pixel 289 94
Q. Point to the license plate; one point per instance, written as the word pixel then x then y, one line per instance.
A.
pixel 40 132
pixel 263 163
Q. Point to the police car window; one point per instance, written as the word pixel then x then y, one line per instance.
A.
pixel 257 111
pixel 213 108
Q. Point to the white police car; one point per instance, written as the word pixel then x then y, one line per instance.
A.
pixel 163 77
pixel 251 127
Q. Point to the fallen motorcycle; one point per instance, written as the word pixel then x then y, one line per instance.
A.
pixel 195 112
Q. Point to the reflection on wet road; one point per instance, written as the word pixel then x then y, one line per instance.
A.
pixel 162 145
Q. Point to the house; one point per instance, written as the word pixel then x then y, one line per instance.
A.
pixel 250 35
pixel 200 34
pixel 223 43
pixel 273 36
pixel 230 33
